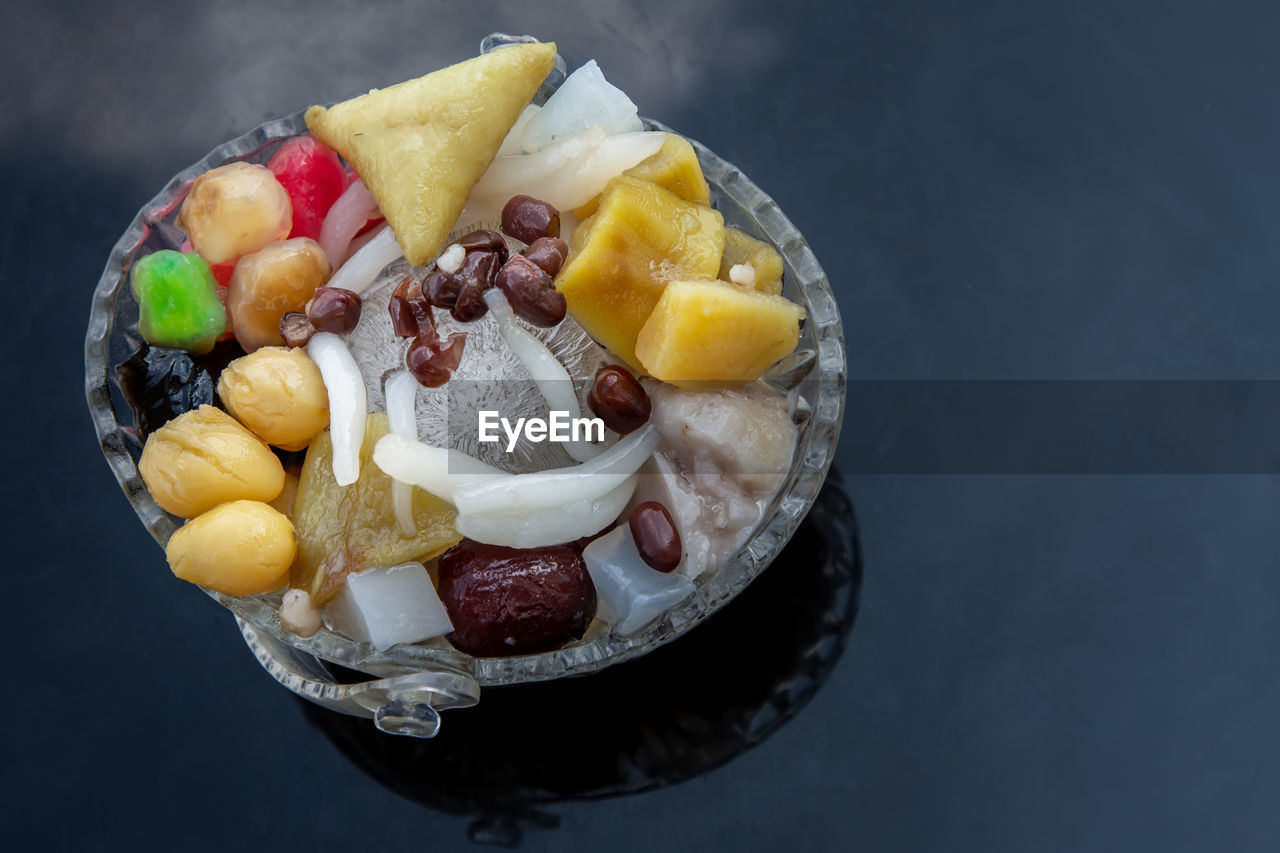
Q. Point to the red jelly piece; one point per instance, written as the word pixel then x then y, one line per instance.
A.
pixel 230 333
pixel 222 274
pixel 313 176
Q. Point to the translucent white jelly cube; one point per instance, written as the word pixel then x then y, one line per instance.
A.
pixel 387 606
pixel 631 594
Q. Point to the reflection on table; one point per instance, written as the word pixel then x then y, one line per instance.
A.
pixel 674 714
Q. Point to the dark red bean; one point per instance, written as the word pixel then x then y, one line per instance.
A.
pixel 522 280
pixel 333 309
pixel 475 276
pixel 296 329
pixel 527 219
pixel 618 400
pixel 548 253
pixel 485 240
pixel 548 310
pixel 432 360
pixel 515 601
pixel 410 311
pixel 470 305
pixel 441 289
pixel 656 536
pixel 529 291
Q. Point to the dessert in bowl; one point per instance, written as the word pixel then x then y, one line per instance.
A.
pixel 474 380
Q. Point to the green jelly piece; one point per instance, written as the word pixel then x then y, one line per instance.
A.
pixel 178 303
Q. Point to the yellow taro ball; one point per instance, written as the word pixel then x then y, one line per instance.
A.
pixel 266 285
pixel 233 210
pixel 238 548
pixel 203 458
pixel 279 394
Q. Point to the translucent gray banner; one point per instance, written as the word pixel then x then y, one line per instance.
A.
pixel 1062 427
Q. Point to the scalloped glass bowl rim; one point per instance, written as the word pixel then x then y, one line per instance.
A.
pixel 818 436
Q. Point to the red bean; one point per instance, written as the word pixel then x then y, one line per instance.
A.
pixel 514 601
pixel 529 291
pixel 527 219
pixel 296 329
pixel 432 360
pixel 485 240
pixel 333 309
pixel 656 536
pixel 548 253
pixel 410 311
pixel 474 277
pixel 618 400
pixel 440 289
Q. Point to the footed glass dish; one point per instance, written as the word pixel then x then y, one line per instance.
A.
pixel 412 683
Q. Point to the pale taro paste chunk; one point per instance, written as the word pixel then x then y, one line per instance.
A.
pixel 723 455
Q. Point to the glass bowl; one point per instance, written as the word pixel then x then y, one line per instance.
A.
pixel 414 681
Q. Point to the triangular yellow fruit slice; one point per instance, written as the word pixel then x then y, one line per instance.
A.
pixel 420 145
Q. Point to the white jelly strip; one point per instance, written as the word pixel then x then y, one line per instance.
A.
pixel 607 161
pixel 575 174
pixel 401 392
pixel 435 469
pixel 362 268
pixel 547 372
pixel 570 520
pixel 347 403
pixel 548 489
pixel 506 173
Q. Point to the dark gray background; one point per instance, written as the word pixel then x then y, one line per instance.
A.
pixel 998 190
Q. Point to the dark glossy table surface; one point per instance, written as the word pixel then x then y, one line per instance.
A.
pixel 1000 190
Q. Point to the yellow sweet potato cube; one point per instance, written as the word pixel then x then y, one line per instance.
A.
pixel 621 259
pixel 347 529
pixel 674 166
pixel 741 248
pixel 705 331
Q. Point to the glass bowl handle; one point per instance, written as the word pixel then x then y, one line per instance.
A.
pixel 408 704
